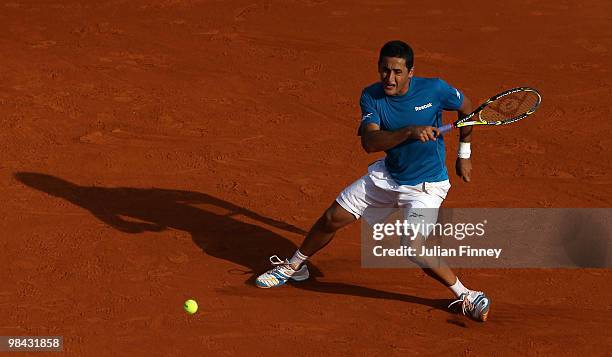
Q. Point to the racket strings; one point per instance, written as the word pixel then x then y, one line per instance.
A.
pixel 511 106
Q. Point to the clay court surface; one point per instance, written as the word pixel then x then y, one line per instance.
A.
pixel 155 151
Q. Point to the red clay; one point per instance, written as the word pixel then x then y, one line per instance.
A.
pixel 155 151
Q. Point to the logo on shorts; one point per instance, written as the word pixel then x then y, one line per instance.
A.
pixel 458 94
pixel 367 116
pixel 428 105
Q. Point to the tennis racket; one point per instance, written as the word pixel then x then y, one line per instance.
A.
pixel 506 107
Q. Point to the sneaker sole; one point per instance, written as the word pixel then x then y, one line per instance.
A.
pixel 301 278
pixel 485 315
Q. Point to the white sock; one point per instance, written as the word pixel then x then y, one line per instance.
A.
pixel 297 259
pixel 458 288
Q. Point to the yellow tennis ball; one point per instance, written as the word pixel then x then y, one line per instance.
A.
pixel 190 306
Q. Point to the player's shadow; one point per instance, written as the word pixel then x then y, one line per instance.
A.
pixel 215 225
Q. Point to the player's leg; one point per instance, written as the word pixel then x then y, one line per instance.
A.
pixel 348 207
pixel 322 232
pixel 426 203
pixel 473 303
pixel 435 267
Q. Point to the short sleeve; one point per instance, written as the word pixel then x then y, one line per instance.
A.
pixel 369 114
pixel 450 97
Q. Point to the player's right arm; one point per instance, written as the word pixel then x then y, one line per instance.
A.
pixel 373 139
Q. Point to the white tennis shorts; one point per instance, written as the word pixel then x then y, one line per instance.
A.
pixel 376 195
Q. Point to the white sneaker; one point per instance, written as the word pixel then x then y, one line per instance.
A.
pixel 281 273
pixel 475 304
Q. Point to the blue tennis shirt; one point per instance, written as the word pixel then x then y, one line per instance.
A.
pixel 412 162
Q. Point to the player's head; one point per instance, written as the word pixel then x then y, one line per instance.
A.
pixel 395 66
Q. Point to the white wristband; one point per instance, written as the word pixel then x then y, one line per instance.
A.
pixel 464 151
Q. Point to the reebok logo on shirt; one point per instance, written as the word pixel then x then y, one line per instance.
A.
pixel 428 105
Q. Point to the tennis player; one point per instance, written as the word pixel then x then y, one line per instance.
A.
pixel 400 116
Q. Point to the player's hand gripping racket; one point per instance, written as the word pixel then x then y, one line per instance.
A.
pixel 504 108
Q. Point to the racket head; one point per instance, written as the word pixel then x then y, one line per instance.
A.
pixel 509 106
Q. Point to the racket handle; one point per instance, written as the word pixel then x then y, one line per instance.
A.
pixel 445 128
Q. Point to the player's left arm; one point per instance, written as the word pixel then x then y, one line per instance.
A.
pixel 463 167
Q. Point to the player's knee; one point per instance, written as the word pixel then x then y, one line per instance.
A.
pixel 327 223
pixel 415 244
pixel 334 218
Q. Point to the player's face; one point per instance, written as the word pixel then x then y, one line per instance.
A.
pixel 394 75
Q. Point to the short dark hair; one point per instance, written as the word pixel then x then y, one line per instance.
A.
pixel 398 49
